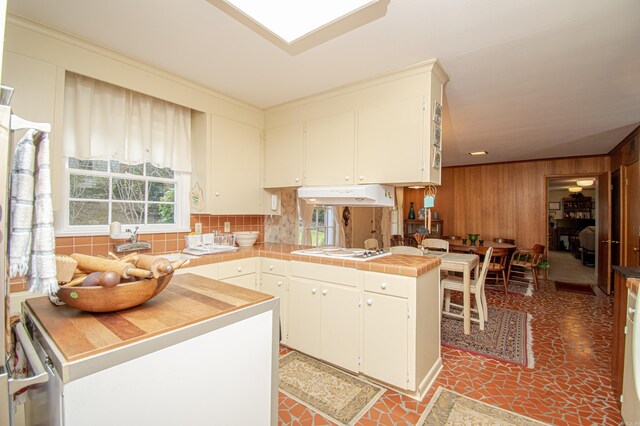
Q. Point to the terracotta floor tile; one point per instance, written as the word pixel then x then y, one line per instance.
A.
pixel 570 384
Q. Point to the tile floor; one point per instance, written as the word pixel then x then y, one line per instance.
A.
pixel 570 384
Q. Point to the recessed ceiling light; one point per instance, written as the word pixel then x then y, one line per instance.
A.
pixel 291 20
pixel 575 189
pixel 478 153
pixel 585 182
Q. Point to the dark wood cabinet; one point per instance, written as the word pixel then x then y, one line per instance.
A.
pixel 411 227
pixel 577 208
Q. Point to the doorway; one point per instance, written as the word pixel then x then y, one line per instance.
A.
pixel 572 229
pixel 364 226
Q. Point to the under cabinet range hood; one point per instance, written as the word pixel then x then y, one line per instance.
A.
pixel 349 195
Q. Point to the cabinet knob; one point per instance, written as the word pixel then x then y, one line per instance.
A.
pixel 271 268
pixel 632 311
pixel 239 269
pixel 279 283
pixel 383 286
pixel 313 290
pixel 347 177
pixel 361 177
pixel 297 179
pixel 324 292
pixel 369 302
pixel 217 194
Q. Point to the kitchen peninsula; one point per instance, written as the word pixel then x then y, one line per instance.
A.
pixel 379 318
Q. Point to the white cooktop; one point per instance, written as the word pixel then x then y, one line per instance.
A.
pixel 357 254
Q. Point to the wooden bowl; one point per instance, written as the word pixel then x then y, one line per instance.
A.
pixel 122 296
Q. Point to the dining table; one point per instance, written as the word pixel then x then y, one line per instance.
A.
pixel 465 263
pixel 459 246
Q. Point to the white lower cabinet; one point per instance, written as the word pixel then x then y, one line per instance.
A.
pixel 274 281
pixel 323 321
pixel 385 339
pixel 240 272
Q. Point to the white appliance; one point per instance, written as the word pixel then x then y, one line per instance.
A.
pixel 10 385
pixel 631 380
pixel 349 195
pixel 356 254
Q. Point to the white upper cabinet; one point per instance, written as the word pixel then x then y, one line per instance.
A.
pixel 283 156
pixel 377 131
pixel 330 149
pixel 390 142
pixel 235 167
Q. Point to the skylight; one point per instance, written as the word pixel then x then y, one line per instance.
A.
pixel 291 20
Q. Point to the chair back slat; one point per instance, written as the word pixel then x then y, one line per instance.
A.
pixel 436 244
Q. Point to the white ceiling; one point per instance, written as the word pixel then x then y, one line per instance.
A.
pixel 528 79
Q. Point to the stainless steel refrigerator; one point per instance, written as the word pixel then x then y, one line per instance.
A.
pixel 9 385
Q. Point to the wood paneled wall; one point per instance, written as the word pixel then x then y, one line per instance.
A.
pixel 505 200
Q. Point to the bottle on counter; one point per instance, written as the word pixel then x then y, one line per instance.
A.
pixel 412 212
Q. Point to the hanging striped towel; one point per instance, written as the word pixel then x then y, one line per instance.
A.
pixel 32 234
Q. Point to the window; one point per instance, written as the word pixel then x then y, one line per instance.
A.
pixel 322 227
pixel 98 192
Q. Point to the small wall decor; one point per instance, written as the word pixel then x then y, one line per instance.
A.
pixel 195 197
pixel 436 158
pixel 437 113
pixel 437 136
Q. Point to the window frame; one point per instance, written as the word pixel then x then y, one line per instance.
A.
pixel 330 228
pixel 181 202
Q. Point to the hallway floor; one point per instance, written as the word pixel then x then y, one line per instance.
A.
pixel 569 385
pixel 564 267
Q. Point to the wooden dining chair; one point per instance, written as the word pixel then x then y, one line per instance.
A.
pixel 436 244
pixel 453 283
pixel 406 250
pixel 371 244
pixel 397 240
pixel 497 264
pixel 504 240
pixel 525 261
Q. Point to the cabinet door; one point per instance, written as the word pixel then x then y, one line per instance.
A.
pixel 330 150
pixel 245 281
pixel 339 326
pixel 304 316
pixel 385 337
pixel 235 168
pixel 276 286
pixel 283 156
pixel 390 142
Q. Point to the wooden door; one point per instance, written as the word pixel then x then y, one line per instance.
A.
pixel 339 321
pixel 363 226
pixel 632 215
pixel 604 232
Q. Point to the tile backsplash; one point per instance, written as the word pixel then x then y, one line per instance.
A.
pixel 100 245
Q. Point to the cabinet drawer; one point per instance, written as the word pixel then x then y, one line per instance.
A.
pixel 393 285
pixel 234 268
pixel 273 266
pixel 327 273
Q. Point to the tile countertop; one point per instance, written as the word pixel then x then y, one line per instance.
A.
pixel 397 264
pixel 627 271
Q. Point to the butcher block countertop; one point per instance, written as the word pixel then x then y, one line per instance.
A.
pixel 398 264
pixel 187 300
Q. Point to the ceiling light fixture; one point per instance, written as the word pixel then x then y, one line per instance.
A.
pixel 478 153
pixel 585 182
pixel 575 189
pixel 296 26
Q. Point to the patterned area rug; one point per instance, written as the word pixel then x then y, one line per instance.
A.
pixel 451 408
pixel 574 288
pixel 339 396
pixel 506 336
pixel 525 289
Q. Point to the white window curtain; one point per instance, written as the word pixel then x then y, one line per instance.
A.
pixel 306 214
pixel 340 240
pixel 399 201
pixel 103 121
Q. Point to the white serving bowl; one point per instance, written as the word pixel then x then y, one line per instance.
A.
pixel 246 238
